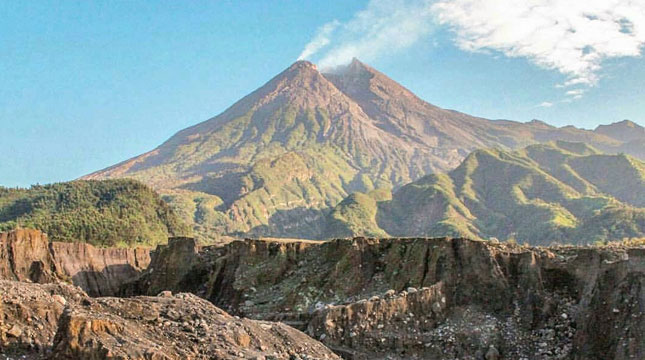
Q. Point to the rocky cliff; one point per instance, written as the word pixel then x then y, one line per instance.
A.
pixel 363 298
pixel 426 298
pixel 44 317
pixel 27 255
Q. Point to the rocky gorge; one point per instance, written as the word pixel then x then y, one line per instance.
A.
pixel 358 298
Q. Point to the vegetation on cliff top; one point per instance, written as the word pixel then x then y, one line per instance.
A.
pixel 103 213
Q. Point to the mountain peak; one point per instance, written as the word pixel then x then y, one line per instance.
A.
pixel 298 69
pixel 302 65
pixel 288 151
pixel 358 67
pixel 354 69
pixel 300 84
pixel 628 123
pixel 625 130
pixel 621 124
pixel 360 81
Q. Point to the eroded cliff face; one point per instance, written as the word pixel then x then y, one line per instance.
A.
pixel 426 298
pixel 98 271
pixel 362 298
pixel 27 255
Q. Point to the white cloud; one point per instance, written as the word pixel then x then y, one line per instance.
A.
pixel 546 104
pixel 575 92
pixel 573 37
pixel 570 36
pixel 321 39
pixel 383 27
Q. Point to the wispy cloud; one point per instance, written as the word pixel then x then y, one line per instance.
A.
pixel 572 37
pixel 384 26
pixel 575 93
pixel 546 104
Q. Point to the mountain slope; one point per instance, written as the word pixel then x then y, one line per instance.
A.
pixel 556 192
pixel 624 131
pixel 106 213
pixel 397 110
pixel 276 161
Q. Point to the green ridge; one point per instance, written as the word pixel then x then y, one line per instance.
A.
pixel 556 192
pixel 102 213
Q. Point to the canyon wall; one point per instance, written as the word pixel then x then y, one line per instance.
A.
pixel 429 298
pixel 377 298
pixel 27 255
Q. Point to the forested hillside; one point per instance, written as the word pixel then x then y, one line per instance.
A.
pixel 104 213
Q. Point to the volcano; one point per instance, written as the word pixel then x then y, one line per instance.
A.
pixel 276 161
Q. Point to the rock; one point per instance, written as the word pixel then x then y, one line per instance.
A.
pixel 480 292
pixel 33 313
pixel 114 326
pixel 165 293
pixel 59 299
pixel 14 331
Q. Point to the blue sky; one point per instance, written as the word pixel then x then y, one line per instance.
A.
pixel 84 85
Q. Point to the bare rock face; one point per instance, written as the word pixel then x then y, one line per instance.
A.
pixel 27 255
pixel 431 298
pixel 394 320
pixel 182 326
pixel 99 271
pixel 170 264
pixel 363 298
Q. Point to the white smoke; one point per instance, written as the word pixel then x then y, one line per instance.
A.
pixel 321 40
pixel 384 26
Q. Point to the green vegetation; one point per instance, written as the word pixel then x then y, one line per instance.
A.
pixel 549 193
pixel 356 213
pixel 103 213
